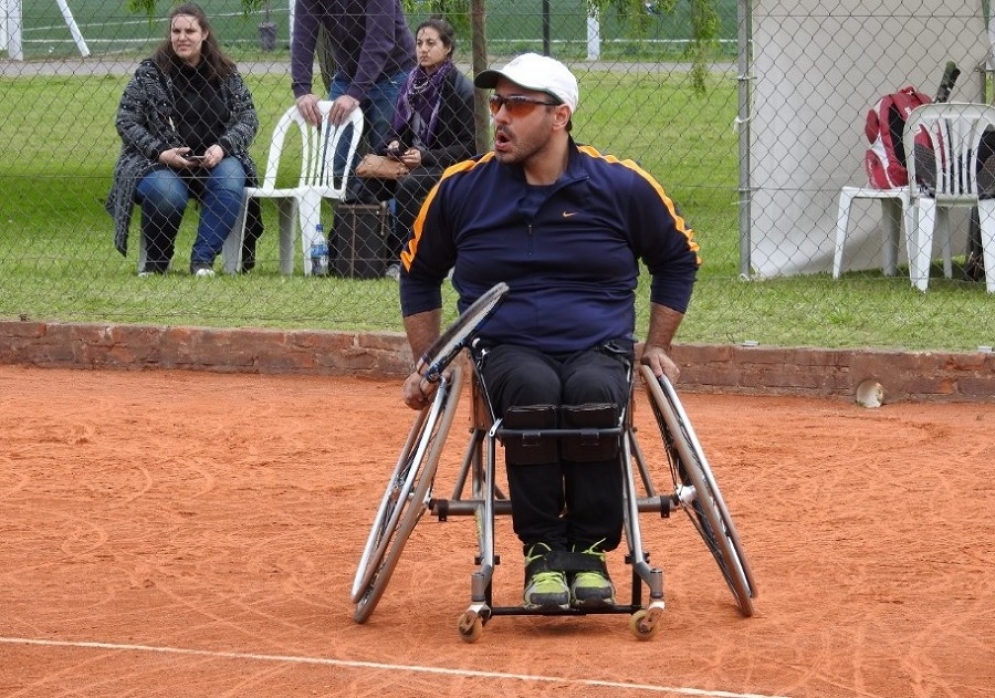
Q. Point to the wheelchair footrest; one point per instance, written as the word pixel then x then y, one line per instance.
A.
pixel 601 610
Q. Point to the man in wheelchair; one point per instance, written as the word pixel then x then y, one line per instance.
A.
pixel 566 228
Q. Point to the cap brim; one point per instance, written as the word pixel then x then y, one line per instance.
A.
pixel 487 79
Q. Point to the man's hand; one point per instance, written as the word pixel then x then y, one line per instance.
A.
pixel 422 330
pixel 418 392
pixel 342 107
pixel 659 361
pixel 307 105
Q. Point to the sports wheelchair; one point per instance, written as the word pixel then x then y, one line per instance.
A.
pixel 409 493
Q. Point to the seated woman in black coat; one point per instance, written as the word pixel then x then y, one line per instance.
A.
pixel 186 120
pixel 433 129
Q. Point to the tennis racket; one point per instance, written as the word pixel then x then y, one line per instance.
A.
pixel 950 75
pixel 458 335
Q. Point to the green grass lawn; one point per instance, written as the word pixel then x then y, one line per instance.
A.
pixel 57 261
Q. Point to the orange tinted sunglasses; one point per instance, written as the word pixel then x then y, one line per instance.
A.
pixel 516 105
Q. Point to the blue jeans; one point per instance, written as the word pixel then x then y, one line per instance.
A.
pixel 163 195
pixel 378 112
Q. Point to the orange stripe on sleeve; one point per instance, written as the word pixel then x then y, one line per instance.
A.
pixel 411 249
pixel 667 201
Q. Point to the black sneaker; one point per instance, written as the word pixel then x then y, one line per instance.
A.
pixel 544 588
pixel 151 272
pixel 154 268
pixel 592 588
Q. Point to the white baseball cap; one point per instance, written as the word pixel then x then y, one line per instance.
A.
pixel 535 72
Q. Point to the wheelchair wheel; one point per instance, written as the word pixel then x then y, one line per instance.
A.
pixel 697 490
pixel 406 497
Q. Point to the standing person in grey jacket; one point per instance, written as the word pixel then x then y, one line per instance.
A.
pixel 373 50
pixel 186 120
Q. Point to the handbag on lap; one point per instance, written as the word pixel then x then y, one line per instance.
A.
pixel 374 166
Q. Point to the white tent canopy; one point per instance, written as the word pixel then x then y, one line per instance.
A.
pixel 819 65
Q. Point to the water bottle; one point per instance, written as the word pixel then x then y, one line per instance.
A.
pixel 319 253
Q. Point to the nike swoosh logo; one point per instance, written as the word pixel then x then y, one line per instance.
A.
pixel 567 214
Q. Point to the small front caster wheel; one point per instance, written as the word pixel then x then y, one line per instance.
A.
pixel 470 627
pixel 643 625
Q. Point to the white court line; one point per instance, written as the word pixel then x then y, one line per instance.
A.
pixel 377 665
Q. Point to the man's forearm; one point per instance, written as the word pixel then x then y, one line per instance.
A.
pixel 422 329
pixel 664 322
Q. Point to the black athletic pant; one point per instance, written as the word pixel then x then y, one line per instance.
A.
pixel 588 495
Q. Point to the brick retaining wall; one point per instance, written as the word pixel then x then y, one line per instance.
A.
pixel 905 376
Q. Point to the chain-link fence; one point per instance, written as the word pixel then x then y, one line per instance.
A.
pixel 753 134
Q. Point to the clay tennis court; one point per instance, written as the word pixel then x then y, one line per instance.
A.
pixel 196 534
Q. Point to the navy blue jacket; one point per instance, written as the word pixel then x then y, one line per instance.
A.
pixel 569 252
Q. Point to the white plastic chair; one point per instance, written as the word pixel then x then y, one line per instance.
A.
pixel 954 131
pixel 894 203
pixel 300 206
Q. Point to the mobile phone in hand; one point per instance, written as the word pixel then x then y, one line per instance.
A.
pixel 194 158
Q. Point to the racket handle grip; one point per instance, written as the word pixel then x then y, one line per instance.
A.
pixel 950 74
pixel 422 364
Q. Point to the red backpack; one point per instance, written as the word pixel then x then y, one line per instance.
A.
pixel 885 159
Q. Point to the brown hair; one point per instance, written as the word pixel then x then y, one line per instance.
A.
pixel 219 66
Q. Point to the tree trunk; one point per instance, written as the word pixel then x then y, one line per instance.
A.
pixel 478 41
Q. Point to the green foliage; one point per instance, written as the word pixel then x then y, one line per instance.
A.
pixel 705 32
pixel 151 7
pixel 705 27
pixel 456 12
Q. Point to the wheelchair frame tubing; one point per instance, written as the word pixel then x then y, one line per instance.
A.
pixel 641 569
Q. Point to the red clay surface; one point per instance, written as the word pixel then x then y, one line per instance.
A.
pixel 196 534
